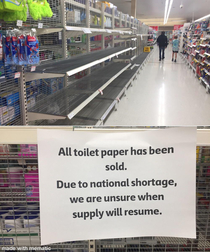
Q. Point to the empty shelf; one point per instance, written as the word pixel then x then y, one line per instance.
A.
pixel 75 64
pixel 72 99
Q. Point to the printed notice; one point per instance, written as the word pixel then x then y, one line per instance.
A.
pixel 100 185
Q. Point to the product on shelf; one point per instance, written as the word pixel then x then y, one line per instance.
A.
pixel 4 182
pixel 31 221
pixel 15 177
pixel 7 49
pixel 75 16
pixel 13 10
pixel 196 44
pixel 32 48
pixel 31 101
pixel 6 114
pixel 20 49
pixel 13 5
pixel 13 221
pixel 27 150
pixel 14 48
pixel 39 9
pixel 32 185
pixel 4 149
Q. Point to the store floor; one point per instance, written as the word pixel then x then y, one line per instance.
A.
pixel 164 94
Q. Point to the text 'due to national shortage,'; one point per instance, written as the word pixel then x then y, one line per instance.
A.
pixel 117 184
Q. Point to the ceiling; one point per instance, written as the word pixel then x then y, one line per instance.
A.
pixel 152 11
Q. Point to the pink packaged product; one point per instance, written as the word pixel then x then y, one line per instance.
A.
pixel 27 150
pixel 32 185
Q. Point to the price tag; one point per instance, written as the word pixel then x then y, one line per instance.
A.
pixel 33 68
pixel 108 31
pixel 40 25
pixel 19 23
pixel 17 75
pixel 86 30
pixel 118 99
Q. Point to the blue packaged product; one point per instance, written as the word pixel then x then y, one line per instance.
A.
pixel 14 50
pixel 32 50
pixel 21 50
pixel 2 75
pixel 1 54
pixel 7 50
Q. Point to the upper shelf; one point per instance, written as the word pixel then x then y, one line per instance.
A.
pixel 75 64
pixel 84 30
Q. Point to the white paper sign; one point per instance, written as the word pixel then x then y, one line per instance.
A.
pixel 60 35
pixel 17 75
pixel 97 185
pixel 33 68
pixel 40 25
pixel 19 23
pixel 86 30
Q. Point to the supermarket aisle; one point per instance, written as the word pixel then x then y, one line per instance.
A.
pixel 165 93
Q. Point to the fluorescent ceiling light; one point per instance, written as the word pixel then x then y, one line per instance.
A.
pixel 166 9
pixel 169 10
pixel 202 18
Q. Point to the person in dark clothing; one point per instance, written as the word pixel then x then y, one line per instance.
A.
pixel 162 42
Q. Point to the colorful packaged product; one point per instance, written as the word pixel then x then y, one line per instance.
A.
pixel 1 50
pixel 14 49
pixel 21 50
pixel 32 185
pixel 27 150
pixel 7 50
pixel 32 50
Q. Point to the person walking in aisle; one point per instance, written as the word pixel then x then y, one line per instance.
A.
pixel 175 48
pixel 162 42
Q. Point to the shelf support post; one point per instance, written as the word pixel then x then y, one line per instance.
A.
pixel 63 22
pixel 113 26
pixel 92 245
pixel 103 27
pixel 126 21
pixel 88 35
pixel 133 8
pixel 22 96
pixel 120 19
